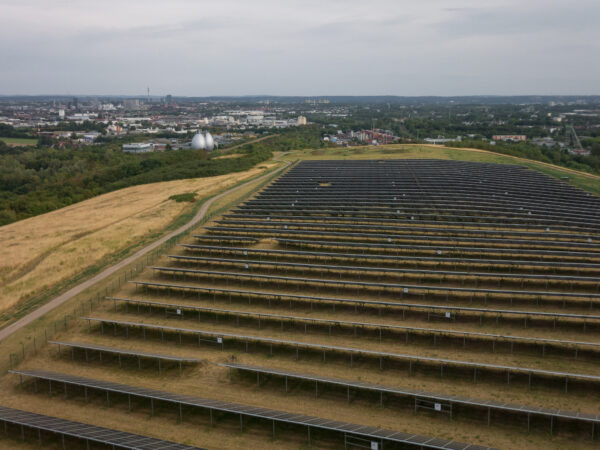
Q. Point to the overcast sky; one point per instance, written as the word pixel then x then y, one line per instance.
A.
pixel 305 47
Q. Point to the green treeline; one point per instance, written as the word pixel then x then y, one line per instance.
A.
pixel 294 138
pixel 10 132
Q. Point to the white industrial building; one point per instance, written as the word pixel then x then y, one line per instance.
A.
pixel 138 147
pixel 203 142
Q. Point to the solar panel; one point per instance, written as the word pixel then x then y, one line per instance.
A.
pixel 366 269
pixel 334 222
pixel 441 235
pixel 466 250
pixel 505 407
pixel 412 287
pixel 227 407
pixel 120 351
pixel 317 321
pixel 422 219
pixel 359 351
pixel 382 303
pixel 438 242
pixel 86 432
pixel 441 214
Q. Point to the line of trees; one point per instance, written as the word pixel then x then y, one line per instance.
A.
pixel 10 132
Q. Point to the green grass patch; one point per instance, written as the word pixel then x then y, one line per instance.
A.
pixel 187 197
pixel 19 141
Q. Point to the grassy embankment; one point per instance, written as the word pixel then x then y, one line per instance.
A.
pixel 27 340
pixel 46 254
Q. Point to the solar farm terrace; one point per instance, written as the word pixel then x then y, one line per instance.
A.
pixel 357 304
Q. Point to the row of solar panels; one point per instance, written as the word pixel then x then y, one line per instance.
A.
pixel 482 192
pixel 583 257
pixel 376 434
pixel 405 288
pixel 341 208
pixel 472 336
pixel 590 250
pixel 391 218
pixel 391 259
pixel 265 295
pixel 86 432
pixel 490 222
pixel 439 204
pixel 378 388
pixel 547 241
pixel 250 263
pixel 437 231
pixel 480 367
pixel 478 182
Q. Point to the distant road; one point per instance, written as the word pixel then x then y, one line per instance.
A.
pixel 251 142
pixel 57 301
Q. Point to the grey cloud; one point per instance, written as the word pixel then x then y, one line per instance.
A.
pixel 294 47
pixel 500 20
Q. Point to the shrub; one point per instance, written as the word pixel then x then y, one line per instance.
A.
pixel 187 197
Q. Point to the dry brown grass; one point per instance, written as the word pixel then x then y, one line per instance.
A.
pixel 42 251
pixel 232 155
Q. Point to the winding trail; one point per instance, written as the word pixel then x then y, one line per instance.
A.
pixel 57 301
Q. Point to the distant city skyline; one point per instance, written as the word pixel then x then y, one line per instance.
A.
pixel 303 48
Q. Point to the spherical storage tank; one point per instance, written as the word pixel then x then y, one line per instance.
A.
pixel 198 142
pixel 210 142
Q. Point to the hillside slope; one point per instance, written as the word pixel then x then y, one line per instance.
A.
pixel 48 249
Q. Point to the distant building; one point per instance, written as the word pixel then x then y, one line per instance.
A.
pixel 138 147
pixel 79 117
pixel 579 152
pixel 301 120
pixel 510 137
pixel 90 137
pixel 131 103
pixel 374 137
pixel 441 140
pixel 544 141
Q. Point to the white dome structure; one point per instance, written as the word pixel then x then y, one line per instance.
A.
pixel 198 142
pixel 210 142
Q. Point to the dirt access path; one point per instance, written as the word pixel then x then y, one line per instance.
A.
pixel 270 136
pixel 57 301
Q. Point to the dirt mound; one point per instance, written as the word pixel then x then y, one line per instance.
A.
pixel 266 244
